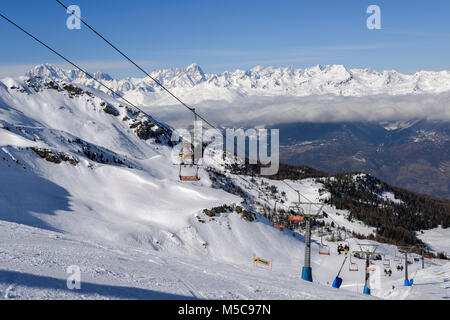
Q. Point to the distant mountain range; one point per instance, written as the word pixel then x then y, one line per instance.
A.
pixel 318 80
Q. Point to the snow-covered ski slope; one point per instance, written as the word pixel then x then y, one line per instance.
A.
pixel 84 182
pixel 437 239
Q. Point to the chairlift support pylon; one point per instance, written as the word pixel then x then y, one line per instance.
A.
pixel 296 208
pixel 368 252
pixel 406 250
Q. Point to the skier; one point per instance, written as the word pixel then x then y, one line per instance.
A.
pixel 339 249
pixel 346 249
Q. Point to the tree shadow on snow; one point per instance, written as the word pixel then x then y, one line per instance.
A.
pixel 110 291
pixel 24 196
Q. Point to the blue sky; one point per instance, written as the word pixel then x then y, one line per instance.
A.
pixel 230 34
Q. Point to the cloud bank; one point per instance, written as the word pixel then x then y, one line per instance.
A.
pixel 267 111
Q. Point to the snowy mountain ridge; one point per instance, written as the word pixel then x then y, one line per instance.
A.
pixel 266 81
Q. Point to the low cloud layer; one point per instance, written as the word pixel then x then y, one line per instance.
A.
pixel 265 111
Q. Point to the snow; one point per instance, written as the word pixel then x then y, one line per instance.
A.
pixel 389 196
pixel 133 228
pixel 10 139
pixel 318 80
pixel 431 284
pixel 33 266
pixel 437 239
pixel 310 191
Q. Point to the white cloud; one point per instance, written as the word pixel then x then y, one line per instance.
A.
pixel 264 111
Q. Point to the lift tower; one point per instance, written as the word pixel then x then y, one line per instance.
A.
pixel 406 250
pixel 306 215
pixel 367 250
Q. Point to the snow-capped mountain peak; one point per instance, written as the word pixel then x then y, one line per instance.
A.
pixel 46 71
pixel 102 76
pixel 195 86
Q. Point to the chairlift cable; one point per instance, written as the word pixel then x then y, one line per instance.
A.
pixel 146 73
pixel 79 68
pixel 73 64
pixel 139 67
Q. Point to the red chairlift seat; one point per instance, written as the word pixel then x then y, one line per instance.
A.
pixel 189 178
pixel 353 267
pixel 184 177
pixel 324 250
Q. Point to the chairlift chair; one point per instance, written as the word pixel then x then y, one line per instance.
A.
pixel 345 237
pixel 324 249
pixel 279 226
pixel 185 177
pixel 188 158
pixel 386 262
pixel 359 255
pixel 353 267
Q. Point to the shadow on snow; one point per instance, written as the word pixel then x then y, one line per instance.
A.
pixel 109 291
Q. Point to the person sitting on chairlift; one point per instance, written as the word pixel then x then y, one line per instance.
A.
pixel 346 249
